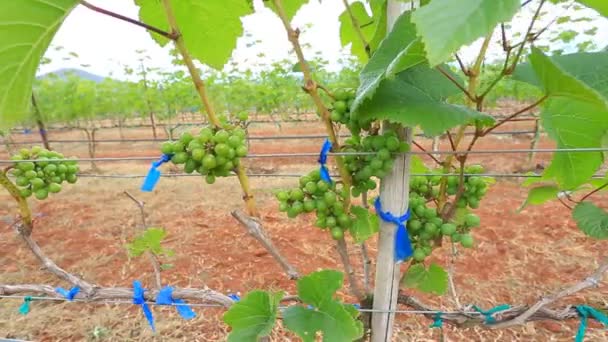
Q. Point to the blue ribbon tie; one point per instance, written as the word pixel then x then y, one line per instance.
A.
pixel 154 174
pixel 69 295
pixel 585 312
pixel 234 297
pixel 139 299
pixel 437 321
pixel 403 245
pixel 165 297
pixel 489 314
pixel 323 160
pixel 24 309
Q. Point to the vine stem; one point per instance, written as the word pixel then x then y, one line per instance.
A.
pixel 311 87
pixel 594 191
pixel 24 208
pixel 202 92
pixel 357 27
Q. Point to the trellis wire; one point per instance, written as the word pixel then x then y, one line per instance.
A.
pixel 315 154
pixel 297 175
pixel 207 305
pixel 252 138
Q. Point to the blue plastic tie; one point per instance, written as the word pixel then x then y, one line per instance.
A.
pixel 69 295
pixel 585 311
pixel 403 245
pixel 27 131
pixel 234 297
pixel 154 174
pixel 24 309
pixel 437 321
pixel 489 314
pixel 139 299
pixel 165 297
pixel 323 160
pixel 357 306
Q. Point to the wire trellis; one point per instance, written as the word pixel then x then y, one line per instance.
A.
pixel 316 154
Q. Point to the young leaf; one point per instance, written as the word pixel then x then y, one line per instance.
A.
pixel 417 165
pixel 447 25
pixel 599 5
pixel 253 317
pixel 209 28
pixel 591 220
pixel 365 224
pixel 333 319
pixel 28 26
pixel 150 240
pixel 575 117
pixel 540 195
pixel 431 280
pixel 402 35
pixel 291 7
pixel 348 33
pixel 417 97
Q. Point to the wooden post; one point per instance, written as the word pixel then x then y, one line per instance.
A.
pixel 394 194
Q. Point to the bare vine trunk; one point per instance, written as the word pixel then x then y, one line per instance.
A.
pixel 92 146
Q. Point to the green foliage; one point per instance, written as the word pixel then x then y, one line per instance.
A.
pixel 28 26
pixel 209 28
pixel 575 117
pixel 591 220
pixel 374 72
pixel 348 33
pixel 330 317
pixel 417 97
pixel 540 195
pixel 433 279
pixel 365 224
pixel 149 241
pixel 599 5
pixel 291 7
pixel 253 317
pixel 447 25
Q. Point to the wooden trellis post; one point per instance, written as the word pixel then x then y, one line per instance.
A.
pixel 394 195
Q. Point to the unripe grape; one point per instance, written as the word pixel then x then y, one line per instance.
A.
pixel 210 179
pixel 466 241
pixel 336 233
pixel 41 194
pixel 419 254
pixel 54 188
pixel 448 228
pixel 471 220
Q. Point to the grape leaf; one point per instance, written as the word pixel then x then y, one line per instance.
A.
pixel 447 25
pixel 417 165
pixel 540 195
pixel 348 33
pixel 380 21
pixel 291 7
pixel 431 280
pixel 253 317
pixel 332 318
pixel 575 117
pixel 209 28
pixel 401 36
pixel 417 97
pixel 599 5
pixel 150 240
pixel 26 30
pixel 591 220
pixel 365 224
pixel 588 68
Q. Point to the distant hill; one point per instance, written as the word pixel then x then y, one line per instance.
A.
pixel 80 73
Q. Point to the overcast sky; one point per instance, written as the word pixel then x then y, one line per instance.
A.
pixel 105 44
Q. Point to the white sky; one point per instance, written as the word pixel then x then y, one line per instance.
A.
pixel 106 44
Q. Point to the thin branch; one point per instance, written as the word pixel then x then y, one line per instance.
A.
pixel 526 38
pixel 350 273
pixel 428 153
pixel 451 140
pixel 451 271
pixel 256 230
pixel 463 68
pixel 366 261
pixel 593 192
pixel 503 35
pixel 456 83
pixel 512 116
pixel 129 20
pixel 153 257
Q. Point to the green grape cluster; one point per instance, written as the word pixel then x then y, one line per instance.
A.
pixel 341 111
pixel 376 159
pixel 475 187
pixel 316 195
pixel 214 152
pixel 43 175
